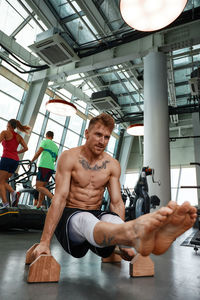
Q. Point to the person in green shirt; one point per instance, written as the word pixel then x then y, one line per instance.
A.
pixel 49 152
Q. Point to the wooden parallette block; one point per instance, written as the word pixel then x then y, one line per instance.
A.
pixel 141 266
pixel 42 269
pixel 29 255
pixel 113 258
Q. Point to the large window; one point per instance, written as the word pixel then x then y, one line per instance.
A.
pixel 71 139
pixel 131 180
pixel 183 183
pixel 111 145
pixel 75 123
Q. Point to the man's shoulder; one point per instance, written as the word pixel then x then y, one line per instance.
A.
pixel 69 157
pixel 49 142
pixel 43 142
pixel 73 152
pixel 110 158
pixel 113 163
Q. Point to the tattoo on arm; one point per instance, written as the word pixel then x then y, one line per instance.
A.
pixel 107 241
pixel 87 166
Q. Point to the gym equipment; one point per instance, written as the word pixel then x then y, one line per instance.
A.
pixel 113 258
pixel 196 241
pixel 141 266
pixel 28 170
pixel 140 202
pixel 42 269
pixel 24 216
pixel 21 217
pixel 196 238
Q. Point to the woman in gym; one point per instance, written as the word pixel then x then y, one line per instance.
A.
pixel 10 158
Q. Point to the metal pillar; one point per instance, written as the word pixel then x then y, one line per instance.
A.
pixel 32 103
pixel 196 130
pixel 124 155
pixel 156 124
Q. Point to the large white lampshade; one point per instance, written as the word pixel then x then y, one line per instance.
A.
pixel 150 15
pixel 135 129
pixel 61 107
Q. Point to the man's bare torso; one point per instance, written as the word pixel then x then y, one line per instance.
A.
pixel 88 181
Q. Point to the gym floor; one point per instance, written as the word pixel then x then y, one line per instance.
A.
pixel 177 274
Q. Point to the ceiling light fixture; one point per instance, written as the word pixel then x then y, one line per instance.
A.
pixel 135 129
pixel 150 15
pixel 61 107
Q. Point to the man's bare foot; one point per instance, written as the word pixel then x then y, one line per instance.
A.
pixel 141 232
pixel 181 220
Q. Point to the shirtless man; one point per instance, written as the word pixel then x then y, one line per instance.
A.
pixel 74 215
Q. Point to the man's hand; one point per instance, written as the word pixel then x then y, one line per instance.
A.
pixel 125 253
pixel 41 249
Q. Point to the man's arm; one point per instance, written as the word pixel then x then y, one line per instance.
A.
pixel 63 177
pixel 37 154
pixel 116 202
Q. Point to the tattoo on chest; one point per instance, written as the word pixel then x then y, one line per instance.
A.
pixel 87 166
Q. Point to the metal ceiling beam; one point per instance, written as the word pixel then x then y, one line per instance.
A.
pixel 18 50
pixel 44 13
pixel 185 36
pixel 76 92
pixel 181 110
pixel 92 75
pixel 31 15
pixel 95 18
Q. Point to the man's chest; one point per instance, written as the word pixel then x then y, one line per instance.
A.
pixel 95 177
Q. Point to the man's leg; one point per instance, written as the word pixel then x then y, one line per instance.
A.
pixel 147 232
pixel 40 187
pixel 125 253
pixel 81 227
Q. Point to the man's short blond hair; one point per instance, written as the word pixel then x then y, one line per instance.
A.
pixel 104 119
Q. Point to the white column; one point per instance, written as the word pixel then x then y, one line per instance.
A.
pixel 156 125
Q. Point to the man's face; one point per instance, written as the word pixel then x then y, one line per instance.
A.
pixel 97 138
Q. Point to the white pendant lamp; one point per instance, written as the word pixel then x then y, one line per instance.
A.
pixel 150 15
pixel 135 129
pixel 61 107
